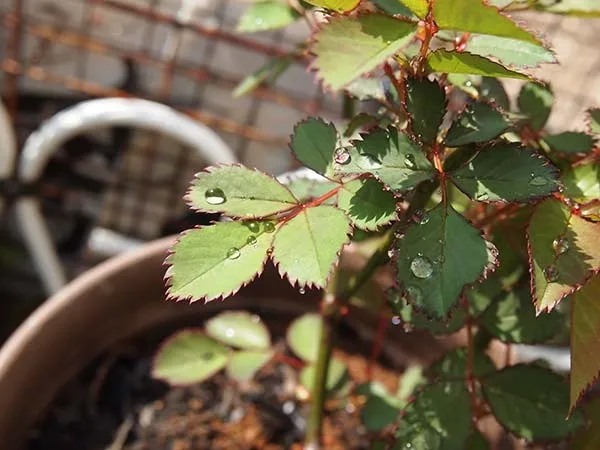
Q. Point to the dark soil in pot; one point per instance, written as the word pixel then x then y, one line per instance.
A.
pixel 116 405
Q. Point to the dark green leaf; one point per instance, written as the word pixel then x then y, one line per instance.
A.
pixel 389 155
pixel 535 101
pixel 358 122
pixel 453 366
pixel 570 142
pixel 582 183
pixel 267 15
pixel 440 255
pixel 303 336
pixel 367 203
pixel 426 104
pixel 239 329
pixel 313 143
pixel 268 73
pixel 510 52
pixel 394 7
pixel 493 91
pixel 445 61
pixel 531 402
pixel 479 122
pixel 477 442
pixel 589 437
pixel 506 172
pixel 380 409
pixel 594 120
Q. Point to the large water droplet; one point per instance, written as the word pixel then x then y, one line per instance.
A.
pixel 233 253
pixel 396 320
pixel 302 290
pixel 538 181
pixel 368 162
pixel 341 156
pixel 269 227
pixel 551 273
pixel 560 245
pixel 414 293
pixel 251 240
pixel 421 267
pixel 253 226
pixel 409 161
pixel 215 196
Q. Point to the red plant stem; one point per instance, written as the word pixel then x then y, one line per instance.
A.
pixel 382 324
pixel 431 29
pixel 289 360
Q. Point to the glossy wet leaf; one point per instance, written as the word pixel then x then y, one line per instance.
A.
pixel 510 52
pixel 479 122
pixel 438 419
pixel 391 156
pixel 243 365
pixel 189 357
pixel 594 120
pixel 585 338
pixel 512 319
pixel 426 104
pixel 507 172
pixel 563 250
pixel 582 8
pixel 531 402
pixel 268 73
pixel 453 366
pixel 335 5
pixel 493 91
pixel 337 376
pixel 477 17
pixel 570 142
pixel 266 15
pixel 306 247
pixel 303 336
pixel 582 183
pixel 347 47
pixel 588 438
pixel 238 191
pixel 313 144
pixel 535 101
pixel 239 329
pixel 217 260
pixel 439 256
pixel 367 204
pixel 445 61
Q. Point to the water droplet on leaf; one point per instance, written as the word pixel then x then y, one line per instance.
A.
pixel 396 320
pixel 302 290
pixel 269 227
pixel 253 226
pixel 233 253
pixel 551 273
pixel 251 240
pixel 409 161
pixel 421 267
pixel 215 196
pixel 560 245
pixel 341 156
pixel 368 162
pixel 414 293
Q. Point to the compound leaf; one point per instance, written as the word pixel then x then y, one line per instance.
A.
pixel 582 183
pixel 445 61
pixel 244 364
pixel 426 104
pixel 266 15
pixel 238 191
pixel 391 156
pixel 479 122
pixel 440 255
pixel 367 203
pixel 535 101
pixel 216 261
pixel 510 52
pixel 303 336
pixel 313 144
pixel 307 246
pixel 335 5
pixel 506 172
pixel 570 142
pixel 348 47
pixel 239 329
pixel 531 401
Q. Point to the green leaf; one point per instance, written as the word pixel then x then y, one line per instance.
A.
pixel 337 376
pixel 506 172
pixel 358 122
pixel 512 319
pixel 238 191
pixel 531 402
pixel 583 8
pixel 217 260
pixel 570 142
pixel 348 47
pixel 266 15
pixel 268 73
pixel 476 17
pixel 585 338
pixel 306 247
pixel 535 101
pixel 426 104
pixel 445 61
pixel 438 257
pixel 479 122
pixel 510 52
pixel 563 252
pixel 453 366
pixel 594 120
pixel 438 419
pixel 307 188
pixel 245 364
pixel 588 438
pixel 335 5
pixel 367 203
pixel 419 7
pixel 477 442
pixel 493 91
pixel 391 157
pixel 393 7
pixel 239 329
pixel 189 357
pixel 582 183
pixel 313 143
pixel 303 336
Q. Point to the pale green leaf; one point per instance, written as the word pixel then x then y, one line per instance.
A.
pixel 367 203
pixel 216 261
pixel 239 192
pixel 307 246
pixel 337 376
pixel 307 188
pixel 582 183
pixel 266 15
pixel 507 172
pixel 243 365
pixel 445 61
pixel 189 357
pixel 348 47
pixel 419 7
pixel 479 122
pixel 510 52
pixel 535 101
pixel 438 256
pixel 391 156
pixel 335 5
pixel 239 329
pixel 426 104
pixel 582 8
pixel 268 73
pixel 304 335
pixel 531 402
pixel 313 143
pixel 570 142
